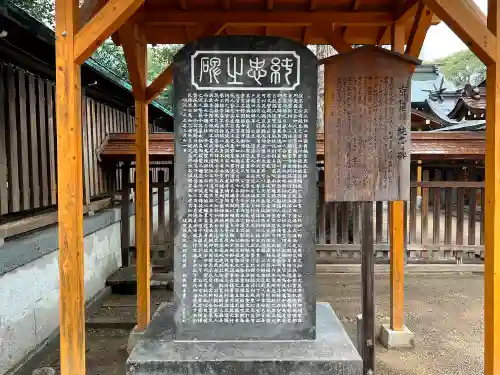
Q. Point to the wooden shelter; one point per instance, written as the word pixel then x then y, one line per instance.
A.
pixel 341 23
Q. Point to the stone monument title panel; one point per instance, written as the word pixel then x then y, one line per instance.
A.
pixel 245 159
pixel 367 126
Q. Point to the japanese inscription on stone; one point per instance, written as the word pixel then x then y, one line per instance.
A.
pixel 367 126
pixel 245 189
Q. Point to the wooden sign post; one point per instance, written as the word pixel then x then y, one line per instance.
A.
pixel 367 126
pixel 367 148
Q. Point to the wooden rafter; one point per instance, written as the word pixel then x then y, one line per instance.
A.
pixel 334 37
pixel 312 5
pixel 270 4
pixel 462 17
pixel 226 5
pixel 131 43
pixel 88 9
pixel 163 17
pixel 406 10
pixel 305 35
pixel 165 78
pixel 421 23
pixel 183 4
pixel 403 13
pixel 102 25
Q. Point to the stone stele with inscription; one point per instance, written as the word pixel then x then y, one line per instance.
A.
pixel 367 126
pixel 245 209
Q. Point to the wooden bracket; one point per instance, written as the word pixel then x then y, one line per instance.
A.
pixel 467 21
pixel 132 44
pixel 333 35
pixel 102 25
pixel 165 78
pixel 421 23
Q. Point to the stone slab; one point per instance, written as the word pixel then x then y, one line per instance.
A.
pixel 245 189
pixel 133 339
pixel 396 339
pixel 332 352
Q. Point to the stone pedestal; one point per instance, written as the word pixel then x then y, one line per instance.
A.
pixel 396 339
pixel 331 353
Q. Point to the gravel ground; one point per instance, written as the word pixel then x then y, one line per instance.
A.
pixel 444 311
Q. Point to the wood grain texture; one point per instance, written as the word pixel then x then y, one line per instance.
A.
pixel 34 147
pixel 142 219
pixel 24 161
pixel 12 156
pixel 70 192
pixel 51 134
pixel 397 265
pixel 367 106
pixel 492 202
pixel 103 24
pixel 42 127
pixel 4 173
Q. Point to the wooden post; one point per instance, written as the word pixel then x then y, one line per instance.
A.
pixel 397 218
pixel 492 211
pixel 368 301
pixel 70 191
pixel 125 215
pixel 161 207
pixel 171 203
pixel 142 218
pixel 142 222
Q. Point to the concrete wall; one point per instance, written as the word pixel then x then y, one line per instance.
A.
pixel 29 281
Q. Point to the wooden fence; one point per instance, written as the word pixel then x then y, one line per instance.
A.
pixel 445 221
pixel 161 238
pixel 28 152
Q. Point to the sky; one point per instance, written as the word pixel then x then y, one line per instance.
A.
pixel 441 41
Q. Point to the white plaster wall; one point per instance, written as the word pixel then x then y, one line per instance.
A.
pixel 29 295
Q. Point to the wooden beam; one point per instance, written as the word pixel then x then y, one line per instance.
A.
pixel 183 4
pixel 165 78
pixel 88 9
pixel 161 16
pixel 70 191
pixel 142 219
pixel 421 23
pixel 462 18
pixel 397 231
pixel 334 37
pixel 270 4
pixel 226 5
pixel 102 26
pixel 406 11
pixel 132 43
pixel 492 210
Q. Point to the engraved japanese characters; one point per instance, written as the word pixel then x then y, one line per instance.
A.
pixel 245 189
pixel 367 126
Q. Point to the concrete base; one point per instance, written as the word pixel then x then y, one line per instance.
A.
pixel 332 352
pixel 396 339
pixel 133 339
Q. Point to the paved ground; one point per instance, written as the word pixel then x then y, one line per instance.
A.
pixel 445 311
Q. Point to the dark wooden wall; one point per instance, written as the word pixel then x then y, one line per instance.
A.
pixel 28 144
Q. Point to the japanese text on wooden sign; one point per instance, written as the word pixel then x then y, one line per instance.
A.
pixel 367 127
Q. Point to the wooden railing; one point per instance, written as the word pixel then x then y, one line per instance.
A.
pixel 446 222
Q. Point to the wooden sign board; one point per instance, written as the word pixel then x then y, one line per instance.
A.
pixel 367 126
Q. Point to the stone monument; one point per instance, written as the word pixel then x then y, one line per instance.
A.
pixel 245 209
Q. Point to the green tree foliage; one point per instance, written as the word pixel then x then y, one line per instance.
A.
pixel 42 10
pixel 108 54
pixel 462 67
